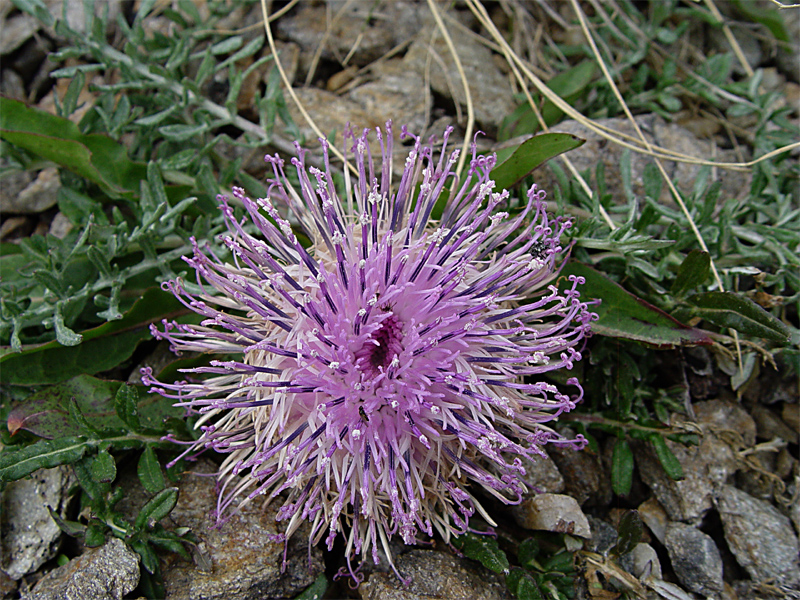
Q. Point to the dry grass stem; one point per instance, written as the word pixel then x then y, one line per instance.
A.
pixel 470 108
pixel 336 152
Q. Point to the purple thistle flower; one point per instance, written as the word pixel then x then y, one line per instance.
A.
pixel 383 370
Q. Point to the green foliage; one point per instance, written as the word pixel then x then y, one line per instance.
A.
pixel 484 549
pixel 140 171
pixel 87 419
pixel 517 162
pixel 546 569
pixel 629 534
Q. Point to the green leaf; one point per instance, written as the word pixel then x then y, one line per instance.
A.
pixel 227 45
pixel 623 315
pixel 126 404
pixel 45 454
pixel 148 557
pixel 169 541
pixel 668 460
pixel 103 347
pixel 767 16
pixel 37 8
pixel 151 585
pixel 621 468
pixel 94 489
pixel 630 533
pixel 528 551
pixel 728 309
pixel 103 468
pixel 484 549
pixel 569 86
pixel 530 154
pixel 71 528
pixel 522 585
pixel 95 536
pixel 95 157
pixel 64 335
pixel 149 471
pixel 182 133
pixel 316 590
pixel 157 508
pixel 47 412
pixel 77 417
pixel 528 589
pixel 693 272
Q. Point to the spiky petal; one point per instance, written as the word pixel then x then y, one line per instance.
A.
pixel 383 371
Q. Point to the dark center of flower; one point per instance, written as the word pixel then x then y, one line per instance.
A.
pixel 383 345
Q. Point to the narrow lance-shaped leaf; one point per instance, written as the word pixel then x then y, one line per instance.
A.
pixel 630 533
pixel 126 403
pixel 727 309
pixel 666 457
pixel 693 272
pixel 623 315
pixel 621 468
pixel 157 508
pixel 149 471
pixel 530 154
pixel 484 549
pixel 45 454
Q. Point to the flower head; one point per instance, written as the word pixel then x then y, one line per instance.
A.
pixel 381 372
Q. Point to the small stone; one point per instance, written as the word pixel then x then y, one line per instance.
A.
pixel 789 54
pixel 695 559
pixel 350 32
pixel 492 96
pixel 331 113
pixel 583 474
pixel 106 573
pixel 770 426
pixel 7 585
pixel 433 574
pixel 38 196
pixel 658 132
pixel 16 31
pixel 791 415
pixel 553 512
pixel 30 537
pixel 10 226
pixel 542 475
pixel 710 463
pixel 60 226
pixel 12 85
pixel 11 186
pixel 645 562
pixel 604 536
pixel 394 94
pixel 289 55
pixel 794 509
pixel 719 416
pixel 759 536
pixel 655 517
pixel 235 561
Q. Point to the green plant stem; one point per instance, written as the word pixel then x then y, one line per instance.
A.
pixel 599 420
pixel 221 112
pixel 35 317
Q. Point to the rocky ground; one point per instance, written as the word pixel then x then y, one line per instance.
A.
pixel 728 529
